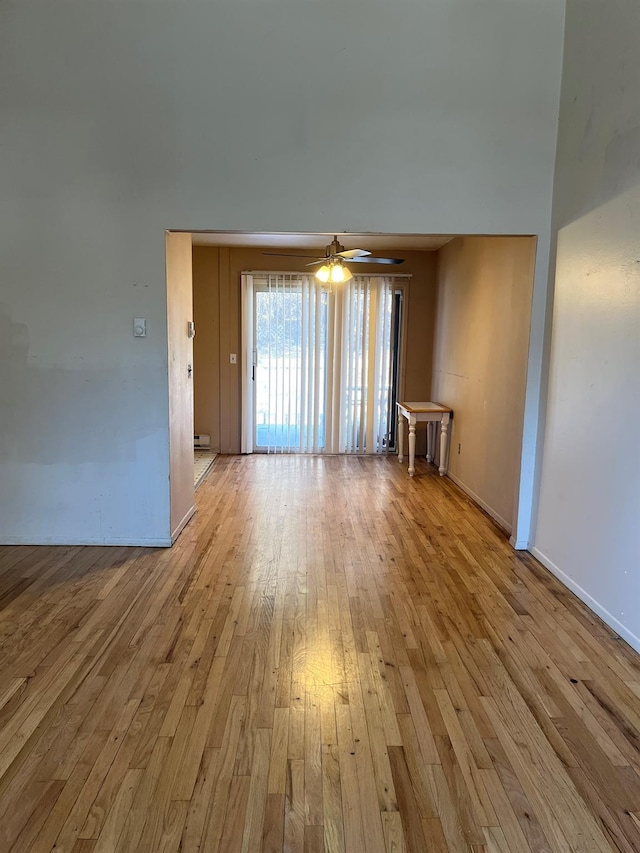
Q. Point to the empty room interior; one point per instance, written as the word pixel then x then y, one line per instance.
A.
pixel 319 460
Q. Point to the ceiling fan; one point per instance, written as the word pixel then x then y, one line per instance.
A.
pixel 333 267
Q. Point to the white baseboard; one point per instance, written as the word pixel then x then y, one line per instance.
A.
pixel 584 596
pixel 187 517
pixel 139 542
pixel 504 524
pixel 54 540
pixel 519 544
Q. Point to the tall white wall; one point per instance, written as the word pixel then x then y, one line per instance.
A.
pixel 122 118
pixel 589 508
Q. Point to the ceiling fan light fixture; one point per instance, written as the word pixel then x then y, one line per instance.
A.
pixel 337 274
pixel 334 272
pixel 323 273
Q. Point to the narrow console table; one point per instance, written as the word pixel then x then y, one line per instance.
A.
pixel 432 413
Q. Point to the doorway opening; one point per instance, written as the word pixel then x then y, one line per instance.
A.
pixel 457 334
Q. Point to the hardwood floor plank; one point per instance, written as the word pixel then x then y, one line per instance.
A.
pixel 294 806
pixel 233 828
pixel 109 834
pixel 407 806
pixel 216 798
pixel 273 828
pixel 393 834
pixel 332 800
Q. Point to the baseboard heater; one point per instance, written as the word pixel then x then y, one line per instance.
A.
pixel 202 441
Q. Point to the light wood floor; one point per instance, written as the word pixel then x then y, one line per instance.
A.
pixel 332 657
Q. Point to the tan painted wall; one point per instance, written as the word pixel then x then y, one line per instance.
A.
pixel 480 361
pixel 180 348
pixel 216 286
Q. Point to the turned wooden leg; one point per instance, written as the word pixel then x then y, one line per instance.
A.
pixel 412 448
pixel 444 440
pixel 400 438
pixel 429 441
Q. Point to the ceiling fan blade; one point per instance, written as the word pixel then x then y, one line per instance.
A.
pixel 317 261
pixel 353 253
pixel 370 260
pixel 287 255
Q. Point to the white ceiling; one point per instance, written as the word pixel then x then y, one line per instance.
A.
pixel 282 240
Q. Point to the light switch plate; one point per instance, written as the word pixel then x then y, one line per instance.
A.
pixel 232 358
pixel 139 327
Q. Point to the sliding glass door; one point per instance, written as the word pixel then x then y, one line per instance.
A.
pixel 322 367
pixel 290 370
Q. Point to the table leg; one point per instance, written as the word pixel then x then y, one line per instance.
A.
pixel 429 441
pixel 400 437
pixel 444 441
pixel 412 447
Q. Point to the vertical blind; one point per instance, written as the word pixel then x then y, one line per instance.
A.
pixel 365 376
pixel 319 363
pixel 290 360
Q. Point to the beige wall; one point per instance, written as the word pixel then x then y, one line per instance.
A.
pixel 480 361
pixel 216 287
pixel 180 354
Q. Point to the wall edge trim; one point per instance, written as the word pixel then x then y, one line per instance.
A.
pixel 587 599
pixel 504 524
pixel 157 542
pixel 183 523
